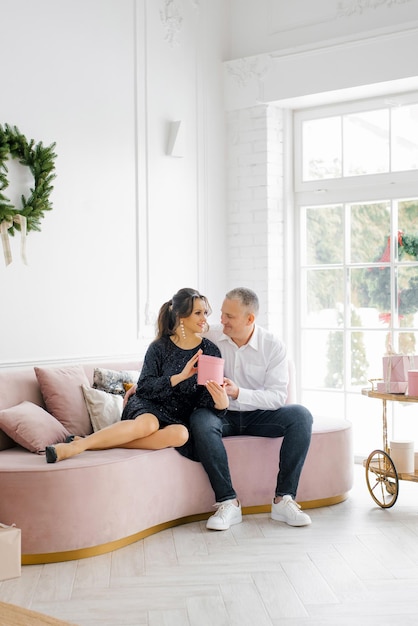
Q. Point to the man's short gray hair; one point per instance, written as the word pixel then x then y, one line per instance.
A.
pixel 247 297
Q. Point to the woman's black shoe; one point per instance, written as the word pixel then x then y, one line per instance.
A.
pixel 51 454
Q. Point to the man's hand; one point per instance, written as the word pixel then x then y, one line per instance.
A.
pixel 231 389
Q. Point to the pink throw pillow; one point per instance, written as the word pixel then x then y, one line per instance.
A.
pixel 30 426
pixel 63 396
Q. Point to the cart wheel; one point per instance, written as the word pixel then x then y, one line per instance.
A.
pixel 382 479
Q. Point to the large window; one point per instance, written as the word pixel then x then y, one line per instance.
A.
pixel 356 181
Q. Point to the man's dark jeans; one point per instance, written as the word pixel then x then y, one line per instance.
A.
pixel 293 422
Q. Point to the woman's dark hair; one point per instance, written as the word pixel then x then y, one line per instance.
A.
pixel 181 305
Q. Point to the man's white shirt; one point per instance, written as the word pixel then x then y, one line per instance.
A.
pixel 259 369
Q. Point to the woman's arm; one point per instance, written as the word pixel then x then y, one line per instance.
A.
pixel 188 370
pixel 152 382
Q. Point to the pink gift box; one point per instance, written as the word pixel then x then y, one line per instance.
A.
pixel 396 367
pixel 392 387
pixel 10 552
pixel 210 368
pixel 413 383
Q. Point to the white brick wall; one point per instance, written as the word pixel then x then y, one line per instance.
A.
pixel 255 208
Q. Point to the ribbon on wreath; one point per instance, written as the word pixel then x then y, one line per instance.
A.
pixel 4 233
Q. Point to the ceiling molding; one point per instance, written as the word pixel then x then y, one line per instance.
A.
pixel 347 8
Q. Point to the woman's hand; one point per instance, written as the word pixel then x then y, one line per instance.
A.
pixel 188 370
pixel 218 394
pixel 128 394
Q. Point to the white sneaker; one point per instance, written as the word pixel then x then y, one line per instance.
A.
pixel 226 515
pixel 289 511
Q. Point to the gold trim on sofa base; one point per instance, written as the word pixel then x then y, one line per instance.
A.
pixel 84 553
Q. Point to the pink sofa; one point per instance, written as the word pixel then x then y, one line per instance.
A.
pixel 102 500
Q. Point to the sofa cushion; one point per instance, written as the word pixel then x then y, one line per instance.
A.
pixel 118 493
pixel 104 408
pixel 30 426
pixel 63 396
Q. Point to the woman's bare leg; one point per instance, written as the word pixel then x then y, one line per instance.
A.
pixel 172 436
pixel 116 435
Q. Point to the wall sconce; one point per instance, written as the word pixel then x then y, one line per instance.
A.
pixel 175 140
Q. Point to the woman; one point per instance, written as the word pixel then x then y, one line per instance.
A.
pixel 157 415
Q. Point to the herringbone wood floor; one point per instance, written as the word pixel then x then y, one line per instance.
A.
pixel 356 564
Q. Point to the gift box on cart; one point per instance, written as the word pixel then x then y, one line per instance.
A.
pixel 391 387
pixel 395 372
pixel 10 552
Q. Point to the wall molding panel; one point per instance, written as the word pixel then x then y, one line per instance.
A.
pixel 242 71
pixel 171 19
pixel 172 16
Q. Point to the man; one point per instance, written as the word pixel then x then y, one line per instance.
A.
pixel 256 378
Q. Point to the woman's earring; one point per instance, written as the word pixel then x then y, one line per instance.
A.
pixel 183 332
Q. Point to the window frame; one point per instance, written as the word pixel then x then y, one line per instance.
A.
pixel 351 183
pixel 345 190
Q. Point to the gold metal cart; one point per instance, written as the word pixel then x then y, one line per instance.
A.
pixel 381 475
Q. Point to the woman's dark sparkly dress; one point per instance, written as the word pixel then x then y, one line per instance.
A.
pixel 154 393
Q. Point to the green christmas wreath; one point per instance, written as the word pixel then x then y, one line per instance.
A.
pixel 40 160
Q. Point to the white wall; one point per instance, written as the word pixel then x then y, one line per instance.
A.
pixel 284 56
pixel 130 225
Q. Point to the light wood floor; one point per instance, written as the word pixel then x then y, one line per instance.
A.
pixel 356 564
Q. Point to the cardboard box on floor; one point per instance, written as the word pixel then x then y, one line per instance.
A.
pixel 10 552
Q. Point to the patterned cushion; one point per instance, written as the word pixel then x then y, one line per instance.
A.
pixel 112 381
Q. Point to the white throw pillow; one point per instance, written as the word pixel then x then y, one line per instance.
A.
pixel 104 408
